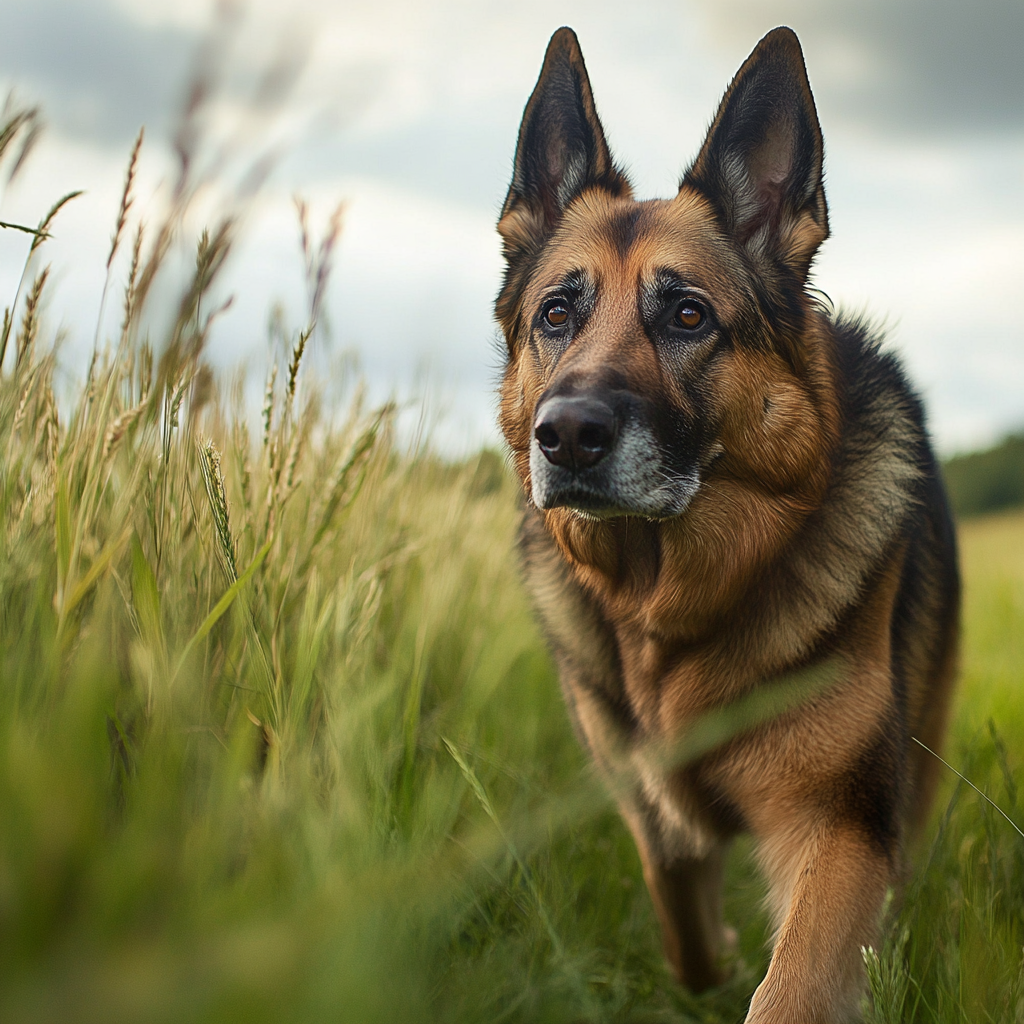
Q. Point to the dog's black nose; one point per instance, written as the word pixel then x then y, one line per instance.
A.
pixel 575 433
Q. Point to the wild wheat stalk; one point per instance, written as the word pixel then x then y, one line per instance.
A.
pixel 5 333
pixel 52 428
pixel 293 366
pixel 130 305
pixel 30 321
pixel 302 211
pixel 39 236
pixel 188 336
pixel 268 404
pixel 44 224
pixel 115 241
pixel 144 366
pixel 325 261
pixel 22 409
pixel 119 428
pixel 126 198
pixel 341 493
pixel 14 121
pixel 294 454
pixel 213 481
pixel 177 397
pixel 319 262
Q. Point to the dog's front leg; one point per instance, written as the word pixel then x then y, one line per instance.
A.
pixel 828 887
pixel 687 897
pixel 686 891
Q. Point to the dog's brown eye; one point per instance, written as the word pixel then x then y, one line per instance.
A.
pixel 689 315
pixel 556 316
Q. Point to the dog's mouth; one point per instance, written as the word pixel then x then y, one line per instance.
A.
pixel 589 503
pixel 593 506
pixel 627 483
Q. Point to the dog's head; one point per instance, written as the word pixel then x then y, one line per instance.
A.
pixel 652 345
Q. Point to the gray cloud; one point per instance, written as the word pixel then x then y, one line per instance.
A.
pixel 942 68
pixel 98 74
pixel 936 67
pixel 461 159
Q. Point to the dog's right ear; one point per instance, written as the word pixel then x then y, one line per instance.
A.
pixel 561 151
pixel 761 164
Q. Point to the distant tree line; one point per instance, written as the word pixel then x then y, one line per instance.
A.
pixel 988 480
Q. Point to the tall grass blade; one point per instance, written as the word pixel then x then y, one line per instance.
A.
pixel 227 599
pixel 963 778
pixel 485 802
pixel 98 566
pixel 38 233
pixel 62 527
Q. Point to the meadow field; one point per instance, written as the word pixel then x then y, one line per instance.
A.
pixel 279 740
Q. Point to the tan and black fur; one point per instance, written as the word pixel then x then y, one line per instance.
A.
pixel 726 484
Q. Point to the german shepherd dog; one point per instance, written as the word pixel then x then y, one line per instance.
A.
pixel 726 485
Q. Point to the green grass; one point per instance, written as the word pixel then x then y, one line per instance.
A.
pixel 279 740
pixel 954 950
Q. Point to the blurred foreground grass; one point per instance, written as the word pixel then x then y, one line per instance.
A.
pixel 280 742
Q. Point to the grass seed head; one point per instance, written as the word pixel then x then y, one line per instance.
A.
pixel 42 232
pixel 296 360
pixel 268 404
pixel 20 127
pixel 130 288
pixel 126 198
pixel 213 480
pixel 119 427
pixel 30 320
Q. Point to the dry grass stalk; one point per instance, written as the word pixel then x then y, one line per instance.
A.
pixel 273 476
pixel 126 198
pixel 144 371
pixel 51 421
pixel 294 451
pixel 30 320
pixel 25 123
pixel 325 259
pixel 210 254
pixel 39 235
pixel 319 263
pixel 240 447
pixel 42 232
pixel 22 409
pixel 293 366
pixel 189 335
pixel 5 333
pixel 305 243
pixel 298 443
pixel 268 404
pixel 130 303
pixel 343 488
pixel 176 397
pixel 117 429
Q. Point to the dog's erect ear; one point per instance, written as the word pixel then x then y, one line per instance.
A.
pixel 561 150
pixel 761 164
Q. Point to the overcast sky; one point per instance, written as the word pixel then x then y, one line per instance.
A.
pixel 410 111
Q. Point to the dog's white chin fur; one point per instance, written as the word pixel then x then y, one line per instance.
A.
pixel 636 483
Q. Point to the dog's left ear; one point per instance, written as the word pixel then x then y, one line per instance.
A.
pixel 761 164
pixel 561 150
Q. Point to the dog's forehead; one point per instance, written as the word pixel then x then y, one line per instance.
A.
pixel 622 245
